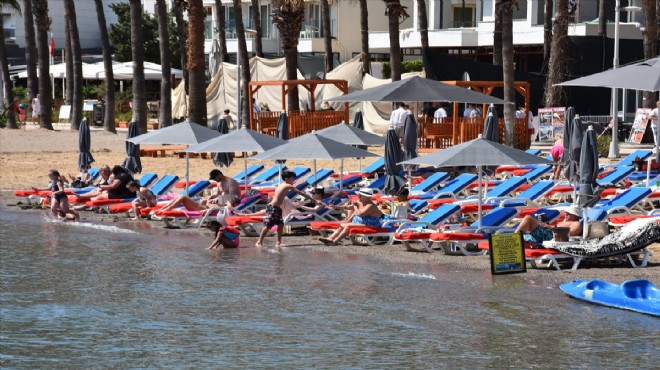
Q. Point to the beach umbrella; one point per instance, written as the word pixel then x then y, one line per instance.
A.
pixel 566 135
pixel 491 128
pixel 283 126
pixel 351 135
pixel 313 146
pixel 215 58
pixel 393 155
pixel 184 133
pixel 572 170
pixel 85 158
pixel 241 140
pixel 589 193
pixel 478 152
pixel 417 89
pixel 223 158
pixel 132 161
pixel 410 143
pixel 644 75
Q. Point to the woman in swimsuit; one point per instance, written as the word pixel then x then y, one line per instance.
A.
pixel 145 198
pixel 59 203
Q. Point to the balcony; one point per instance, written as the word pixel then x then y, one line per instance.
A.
pixel 313 29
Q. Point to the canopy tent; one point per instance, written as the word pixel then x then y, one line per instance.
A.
pixel 56 70
pixel 124 71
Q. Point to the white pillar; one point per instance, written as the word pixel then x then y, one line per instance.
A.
pixel 614 145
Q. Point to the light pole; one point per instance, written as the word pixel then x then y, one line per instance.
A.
pixel 614 145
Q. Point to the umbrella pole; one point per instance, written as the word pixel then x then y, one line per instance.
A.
pixel 479 199
pixel 359 164
pixel 409 177
pixel 341 177
pixel 314 174
pixel 648 172
pixel 247 183
pixel 187 168
pixel 279 180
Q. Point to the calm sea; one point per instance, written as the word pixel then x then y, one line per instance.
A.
pixel 135 296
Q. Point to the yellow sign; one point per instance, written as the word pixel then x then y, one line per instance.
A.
pixel 507 254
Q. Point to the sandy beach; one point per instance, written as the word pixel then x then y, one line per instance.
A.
pixel 27 155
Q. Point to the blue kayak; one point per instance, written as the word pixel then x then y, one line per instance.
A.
pixel 635 295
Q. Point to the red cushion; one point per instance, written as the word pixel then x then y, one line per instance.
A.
pixel 324 225
pixel 240 220
pixel 368 230
pixel 474 185
pixel 608 192
pixel 435 203
pixel 472 208
pixel 182 184
pixel 621 220
pixel 535 253
pixel 560 189
pixel 501 169
pixel 422 235
pixel 24 193
pixel 103 202
pixel 121 207
pixel 455 236
pixel 143 211
pixel 521 171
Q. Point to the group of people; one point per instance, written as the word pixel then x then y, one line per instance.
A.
pixel 19 109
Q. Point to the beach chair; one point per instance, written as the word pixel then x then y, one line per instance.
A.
pixel 321 175
pixel 160 188
pixel 621 204
pixel 431 183
pixel 251 171
pixel 299 171
pixel 500 192
pixel 533 151
pixel 537 172
pixel 371 170
pixel 615 177
pixel 451 189
pixel 267 175
pixel 629 160
pixel 182 218
pixel 147 179
pixel 419 232
pixel 530 196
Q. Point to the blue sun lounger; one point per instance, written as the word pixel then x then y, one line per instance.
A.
pixel 499 192
pixel 251 171
pixel 529 197
pixel 537 172
pixel 533 151
pixel 299 171
pixel 320 176
pixel 615 177
pixel 453 188
pixel 430 183
pixel 147 179
pixel 267 175
pixel 622 203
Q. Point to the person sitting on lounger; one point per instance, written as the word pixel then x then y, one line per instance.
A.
pixel 401 205
pixel 365 213
pixel 116 189
pixel 227 189
pixel 537 232
pixel 145 198
pixel 82 180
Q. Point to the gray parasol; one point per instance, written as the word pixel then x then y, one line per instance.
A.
pixel 571 171
pixel 283 126
pixel 351 135
pixel 410 138
pixel 223 158
pixel 589 193
pixel 491 129
pixel 393 155
pixel 644 75
pixel 566 136
pixel 132 162
pixel 85 158
pixel 358 120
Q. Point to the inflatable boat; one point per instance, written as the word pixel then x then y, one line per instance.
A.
pixel 635 295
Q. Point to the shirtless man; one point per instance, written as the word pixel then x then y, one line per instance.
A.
pixel 365 213
pixel 274 208
pixel 228 188
pixel 538 232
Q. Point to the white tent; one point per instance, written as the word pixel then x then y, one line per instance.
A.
pixel 124 71
pixel 56 70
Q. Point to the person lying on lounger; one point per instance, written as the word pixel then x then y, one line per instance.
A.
pixel 191 204
pixel 537 232
pixel 365 213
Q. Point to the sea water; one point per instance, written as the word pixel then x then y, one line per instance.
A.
pixel 134 295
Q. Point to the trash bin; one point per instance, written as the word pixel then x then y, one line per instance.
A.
pixel 97 114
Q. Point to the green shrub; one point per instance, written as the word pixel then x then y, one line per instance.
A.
pixel 604 145
pixel 21 92
pixel 407 66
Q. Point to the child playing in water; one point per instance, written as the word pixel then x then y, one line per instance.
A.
pixel 59 203
pixel 274 209
pixel 145 198
pixel 225 236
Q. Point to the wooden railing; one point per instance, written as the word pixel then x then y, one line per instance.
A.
pixel 266 122
pixel 303 122
pixel 440 133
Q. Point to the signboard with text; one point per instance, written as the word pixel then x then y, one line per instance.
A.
pixel 551 123
pixel 639 125
pixel 507 254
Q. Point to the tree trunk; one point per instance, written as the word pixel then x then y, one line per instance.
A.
pixel 196 63
pixel 42 22
pixel 506 13
pixel 68 59
pixel 602 31
pixel 137 52
pixel 183 38
pixel 327 36
pixel 30 54
pixel 109 114
pixel 222 37
pixel 547 33
pixel 650 42
pixel 497 34
pixel 395 12
pixel 288 16
pixel 423 21
pixel 244 60
pixel 364 36
pixel 76 55
pixel 9 95
pixel 558 66
pixel 165 105
pixel 256 26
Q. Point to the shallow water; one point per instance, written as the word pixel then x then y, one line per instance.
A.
pixel 129 295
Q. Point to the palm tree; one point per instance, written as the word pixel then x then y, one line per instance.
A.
pixel 547 31
pixel 179 7
pixel 109 115
pixel 196 64
pixel 165 105
pixel 288 16
pixel 30 52
pixel 396 13
pixel 220 19
pixel 423 21
pixel 256 26
pixel 137 52
pixel 558 65
pixel 497 35
pixel 42 22
pixel 327 35
pixel 68 59
pixel 505 9
pixel 11 117
pixel 364 37
pixel 651 35
pixel 76 54
pixel 244 62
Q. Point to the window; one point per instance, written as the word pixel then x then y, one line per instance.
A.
pixel 463 16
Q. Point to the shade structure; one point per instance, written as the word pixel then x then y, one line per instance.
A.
pixel 223 158
pixel 478 152
pixel 644 75
pixel 572 170
pixel 184 133
pixel 241 140
pixel 351 135
pixel 491 128
pixel 215 57
pixel 393 155
pixel 85 158
pixel 124 71
pixel 56 70
pixel 418 89
pixel 132 161
pixel 283 126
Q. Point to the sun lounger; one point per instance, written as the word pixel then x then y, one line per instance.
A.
pixel 159 189
pixel 370 170
pixel 622 203
pixel 251 171
pixel 299 171
pixel 615 177
pixel 530 196
pixel 431 183
pixel 414 232
pixel 267 175
pixel 453 188
pixel 180 218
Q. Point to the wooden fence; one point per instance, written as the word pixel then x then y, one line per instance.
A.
pixel 300 123
pixel 440 133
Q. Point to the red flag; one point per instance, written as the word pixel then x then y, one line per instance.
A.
pixel 52 46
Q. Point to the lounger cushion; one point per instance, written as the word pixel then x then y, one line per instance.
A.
pixel 521 171
pixel 368 230
pixel 539 252
pixel 421 235
pixel 472 208
pixel 105 202
pixel 324 225
pixel 622 220
pixel 439 237
pixel 240 220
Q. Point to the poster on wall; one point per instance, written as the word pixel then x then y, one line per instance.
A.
pixel 551 122
pixel 639 125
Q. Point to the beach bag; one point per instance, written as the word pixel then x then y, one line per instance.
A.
pixel 78 184
pixel 223 213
